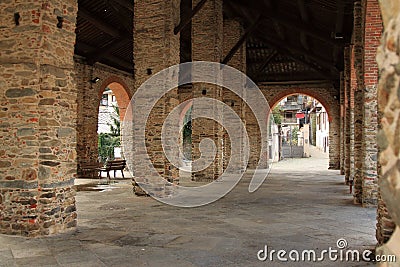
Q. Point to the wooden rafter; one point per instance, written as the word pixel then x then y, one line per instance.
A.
pixel 338 27
pixel 331 72
pixel 241 41
pixel 265 64
pixel 308 28
pixel 305 18
pixel 128 24
pixel 298 50
pixel 106 51
pixel 125 3
pixel 90 49
pixel 98 23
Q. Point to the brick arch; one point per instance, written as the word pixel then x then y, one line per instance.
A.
pixel 184 111
pixel 327 96
pixel 121 92
pixel 281 95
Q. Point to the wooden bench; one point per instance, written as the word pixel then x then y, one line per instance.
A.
pixel 114 165
pixel 90 168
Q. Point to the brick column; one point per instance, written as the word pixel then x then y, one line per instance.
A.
pixel 38 117
pixel 372 35
pixel 367 31
pixel 207 45
pixel 233 30
pixel 155 48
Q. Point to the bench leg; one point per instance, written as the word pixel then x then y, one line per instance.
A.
pixel 122 171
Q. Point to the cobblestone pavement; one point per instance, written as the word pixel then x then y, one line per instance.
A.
pixel 301 205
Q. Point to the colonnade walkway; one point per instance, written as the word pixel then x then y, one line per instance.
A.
pixel 301 206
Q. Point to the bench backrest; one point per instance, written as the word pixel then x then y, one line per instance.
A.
pixel 116 164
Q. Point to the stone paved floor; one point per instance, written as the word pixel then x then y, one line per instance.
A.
pixel 300 206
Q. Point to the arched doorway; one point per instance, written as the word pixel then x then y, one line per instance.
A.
pixel 114 101
pixel 324 94
pixel 303 124
pixel 88 114
pixel 327 97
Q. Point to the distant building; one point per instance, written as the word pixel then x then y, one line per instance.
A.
pixel 322 128
pixel 106 111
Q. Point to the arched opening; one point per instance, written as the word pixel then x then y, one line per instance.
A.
pixel 328 99
pixel 185 120
pixel 112 106
pixel 303 125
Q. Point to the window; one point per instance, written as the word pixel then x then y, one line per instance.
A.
pixel 104 100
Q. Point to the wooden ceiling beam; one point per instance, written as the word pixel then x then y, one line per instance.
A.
pixel 125 3
pixel 305 18
pixel 106 51
pixel 279 30
pixel 304 27
pixel 307 28
pixel 298 50
pixel 288 50
pixel 241 41
pixel 128 24
pixel 338 27
pixel 116 60
pixel 185 21
pixel 99 24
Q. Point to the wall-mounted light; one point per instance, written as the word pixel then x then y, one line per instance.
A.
pixel 149 71
pixel 60 22
pixel 16 18
pixel 338 35
pixel 95 80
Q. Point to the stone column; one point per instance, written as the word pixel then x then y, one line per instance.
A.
pixel 358 87
pixel 233 30
pixel 372 35
pixel 88 109
pixel 207 45
pixel 155 48
pixel 348 115
pixel 334 139
pixel 38 117
pixel 342 123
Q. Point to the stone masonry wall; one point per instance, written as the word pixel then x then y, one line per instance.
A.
pixel 323 93
pixel 37 117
